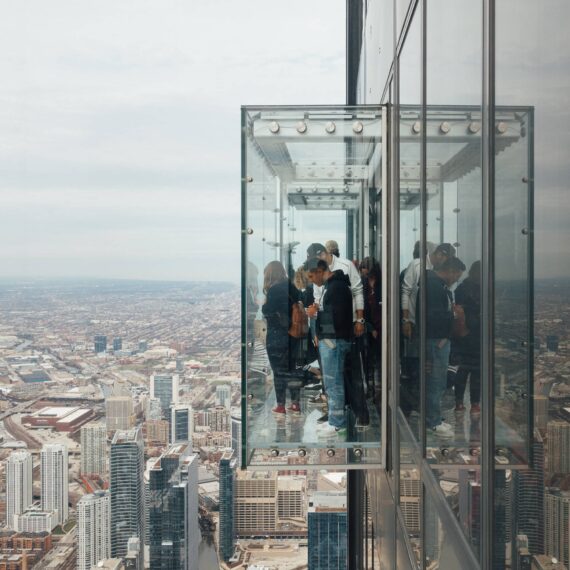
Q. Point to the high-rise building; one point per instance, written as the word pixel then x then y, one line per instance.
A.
pixel 119 413
pixel 126 467
pixel 143 345
pixel 165 388
pixel 227 528
pixel 291 495
pixel 182 423
pixel 100 343
pixel 528 499
pixel 327 522
pixel 544 562
pixel 153 410
pixel 557 525
pixel 219 418
pixel 558 438
pixel 55 480
pixel 174 533
pixel 522 558
pixel 236 434
pixel 19 497
pixel 34 520
pixel 93 529
pixel 255 503
pixel 94 449
pixel 224 396
pixel 410 489
pixel 117 344
pixel 552 341
pixel 156 432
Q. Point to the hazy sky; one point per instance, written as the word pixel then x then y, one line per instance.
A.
pixel 120 126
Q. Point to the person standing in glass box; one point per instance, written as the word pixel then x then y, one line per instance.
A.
pixel 334 330
pixel 281 295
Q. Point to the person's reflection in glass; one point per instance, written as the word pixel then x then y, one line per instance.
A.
pixel 372 282
pixel 466 344
pixel 439 325
pixel 281 295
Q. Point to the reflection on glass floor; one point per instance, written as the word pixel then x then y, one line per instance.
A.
pixel 465 445
pixel 296 430
pixel 266 429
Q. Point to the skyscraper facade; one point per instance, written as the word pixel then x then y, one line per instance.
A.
pixel 558 441
pixel 165 388
pixel 174 533
pixel 224 396
pixel 126 470
pixel 19 495
pixel 327 531
pixel 226 481
pixel 54 470
pixel 182 423
pixel 119 413
pixel 93 529
pixel 94 449
pixel 100 343
pixel 528 499
pixel 557 525
pixel 117 344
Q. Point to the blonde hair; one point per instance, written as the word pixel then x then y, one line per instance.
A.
pixel 273 273
pixel 301 278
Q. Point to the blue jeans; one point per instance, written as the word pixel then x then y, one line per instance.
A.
pixel 333 353
pixel 437 358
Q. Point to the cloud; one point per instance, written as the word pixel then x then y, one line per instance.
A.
pixel 120 127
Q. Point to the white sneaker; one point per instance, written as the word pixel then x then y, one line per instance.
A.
pixel 442 431
pixel 325 430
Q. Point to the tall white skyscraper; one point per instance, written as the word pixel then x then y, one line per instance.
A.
pixel 182 423
pixel 94 529
pixel 165 388
pixel 126 467
pixel 558 437
pixel 224 396
pixel 55 480
pixel 94 449
pixel 18 484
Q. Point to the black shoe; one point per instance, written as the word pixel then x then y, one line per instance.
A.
pixel 314 386
pixel 323 419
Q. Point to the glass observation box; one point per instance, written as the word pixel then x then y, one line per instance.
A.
pixel 336 361
pixel 311 178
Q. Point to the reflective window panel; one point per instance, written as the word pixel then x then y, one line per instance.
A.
pixel 311 183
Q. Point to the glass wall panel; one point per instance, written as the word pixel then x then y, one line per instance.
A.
pixel 378 50
pixel 453 230
pixel 410 222
pixel 532 71
pixel 311 178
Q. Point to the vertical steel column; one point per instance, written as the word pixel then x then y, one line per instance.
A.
pixel 355 515
pixel 488 290
pixel 423 250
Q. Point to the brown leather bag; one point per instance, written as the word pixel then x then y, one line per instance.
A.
pixel 299 327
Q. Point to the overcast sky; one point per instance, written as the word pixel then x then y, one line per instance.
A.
pixel 120 126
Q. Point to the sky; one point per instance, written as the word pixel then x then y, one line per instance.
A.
pixel 120 127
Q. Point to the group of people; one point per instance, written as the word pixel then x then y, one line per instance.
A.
pixel 341 347
pixel 452 332
pixel 339 351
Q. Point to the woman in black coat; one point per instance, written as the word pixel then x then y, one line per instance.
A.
pixel 280 296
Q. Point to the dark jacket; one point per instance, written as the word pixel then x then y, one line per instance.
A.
pixel 468 295
pixel 335 317
pixel 372 305
pixel 277 310
pixel 439 311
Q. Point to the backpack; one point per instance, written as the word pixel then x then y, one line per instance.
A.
pixel 299 327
